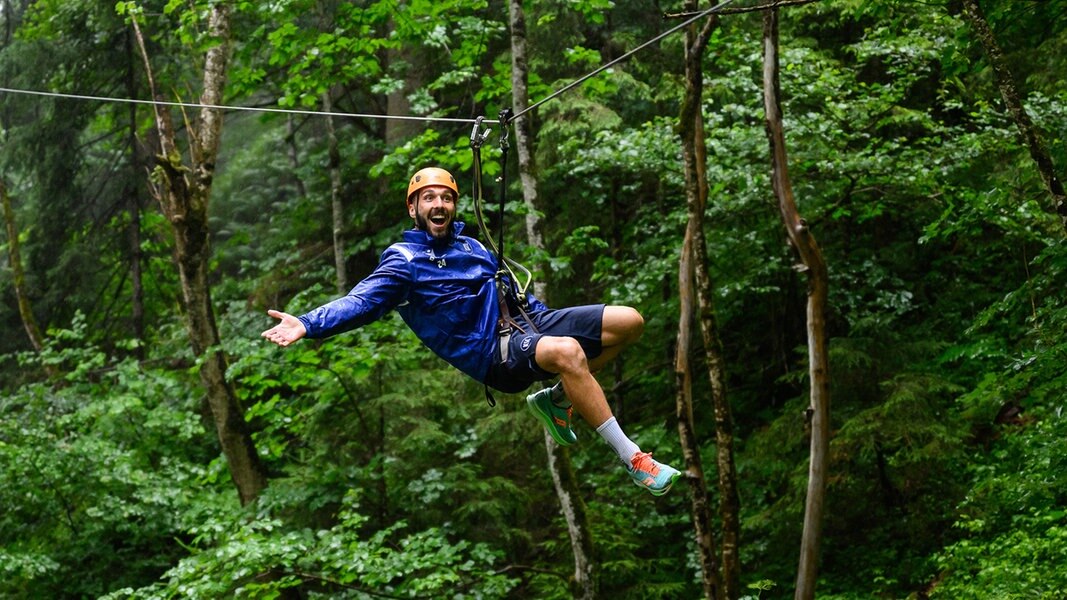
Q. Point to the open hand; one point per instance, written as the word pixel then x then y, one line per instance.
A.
pixel 289 330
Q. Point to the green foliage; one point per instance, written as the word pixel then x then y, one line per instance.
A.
pixel 100 475
pixel 261 557
pixel 388 474
pixel 318 48
pixel 1011 533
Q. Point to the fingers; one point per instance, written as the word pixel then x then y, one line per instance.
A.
pixel 287 331
pixel 276 335
pixel 281 342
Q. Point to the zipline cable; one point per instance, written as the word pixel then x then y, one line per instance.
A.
pixel 717 8
pixel 290 111
pixel 577 82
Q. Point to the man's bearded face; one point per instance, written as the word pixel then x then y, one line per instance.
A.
pixel 434 210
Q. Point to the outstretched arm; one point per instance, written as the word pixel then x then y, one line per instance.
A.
pixel 289 330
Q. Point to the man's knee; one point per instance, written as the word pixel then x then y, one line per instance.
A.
pixel 635 322
pixel 560 355
pixel 622 325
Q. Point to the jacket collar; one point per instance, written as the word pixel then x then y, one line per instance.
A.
pixel 418 236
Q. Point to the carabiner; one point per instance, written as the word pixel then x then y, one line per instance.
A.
pixel 478 137
pixel 505 118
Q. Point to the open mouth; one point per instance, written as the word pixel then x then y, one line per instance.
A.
pixel 439 219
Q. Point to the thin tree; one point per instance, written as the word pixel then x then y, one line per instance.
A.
pixel 292 154
pixel 337 209
pixel 133 204
pixel 700 504
pixel 7 14
pixel 183 192
pixel 729 498
pixel 14 258
pixel 407 65
pixel 813 265
pixel 695 292
pixel 586 580
pixel 14 253
pixel 1009 91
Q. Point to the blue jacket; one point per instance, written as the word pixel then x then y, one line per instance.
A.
pixel 444 290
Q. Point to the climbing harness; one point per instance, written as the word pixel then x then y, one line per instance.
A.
pixel 511 294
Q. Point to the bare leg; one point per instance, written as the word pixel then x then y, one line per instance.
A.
pixel 622 326
pixel 565 356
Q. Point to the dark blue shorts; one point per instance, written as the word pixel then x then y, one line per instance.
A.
pixel 583 323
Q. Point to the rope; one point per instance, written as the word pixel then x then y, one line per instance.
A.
pixel 238 108
pixel 504 146
pixel 478 137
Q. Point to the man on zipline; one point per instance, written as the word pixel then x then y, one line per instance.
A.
pixel 443 285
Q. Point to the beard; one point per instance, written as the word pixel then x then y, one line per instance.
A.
pixel 422 223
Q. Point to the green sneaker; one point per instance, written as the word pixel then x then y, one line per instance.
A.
pixel 557 420
pixel 655 477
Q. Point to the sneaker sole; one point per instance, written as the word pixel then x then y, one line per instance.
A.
pixel 546 420
pixel 665 489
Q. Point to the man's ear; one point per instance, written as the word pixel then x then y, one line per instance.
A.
pixel 411 208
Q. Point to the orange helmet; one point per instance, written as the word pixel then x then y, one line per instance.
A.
pixel 431 176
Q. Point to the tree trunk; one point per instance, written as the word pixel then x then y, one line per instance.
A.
pixel 9 21
pixel 337 208
pixel 133 205
pixel 399 62
pixel 726 583
pixel 815 268
pixel 616 396
pixel 183 193
pixel 523 137
pixel 585 583
pixel 293 154
pixel 1010 93
pixel 700 504
pixel 729 498
pixel 586 576
pixel 14 256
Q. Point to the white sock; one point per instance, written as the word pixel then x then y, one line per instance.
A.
pixel 612 434
pixel 559 398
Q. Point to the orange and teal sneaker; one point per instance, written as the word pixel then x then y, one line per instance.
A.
pixel 556 419
pixel 653 476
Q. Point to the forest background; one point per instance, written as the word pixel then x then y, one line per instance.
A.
pixel 381 471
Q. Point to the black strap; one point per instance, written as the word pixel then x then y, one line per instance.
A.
pixel 504 116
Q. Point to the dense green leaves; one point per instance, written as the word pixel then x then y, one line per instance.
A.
pixel 389 474
pixel 98 476
pixel 334 563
